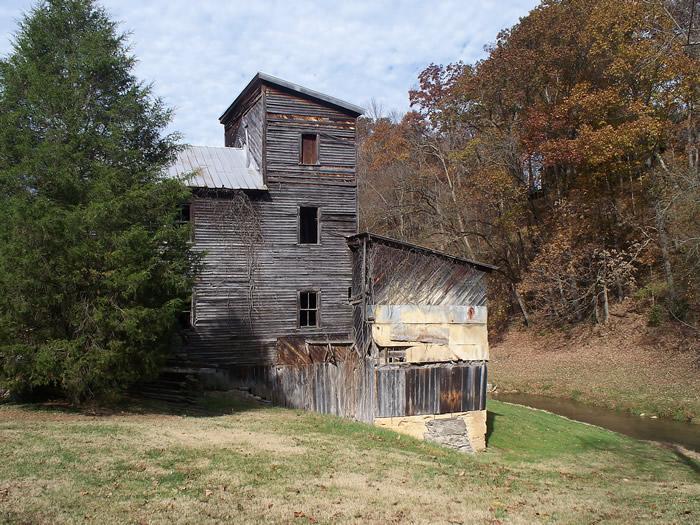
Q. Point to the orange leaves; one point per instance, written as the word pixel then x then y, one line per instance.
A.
pixel 592 91
pixel 599 93
pixel 385 145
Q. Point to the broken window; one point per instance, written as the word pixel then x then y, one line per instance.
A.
pixel 185 214
pixel 185 218
pixel 308 225
pixel 309 308
pixel 309 148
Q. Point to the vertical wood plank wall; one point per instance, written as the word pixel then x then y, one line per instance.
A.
pixel 386 273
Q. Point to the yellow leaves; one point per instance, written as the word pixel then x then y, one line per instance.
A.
pixel 610 148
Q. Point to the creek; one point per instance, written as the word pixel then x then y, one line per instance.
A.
pixel 645 428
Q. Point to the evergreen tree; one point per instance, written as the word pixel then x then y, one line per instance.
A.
pixel 93 265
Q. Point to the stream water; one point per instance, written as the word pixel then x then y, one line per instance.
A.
pixel 664 430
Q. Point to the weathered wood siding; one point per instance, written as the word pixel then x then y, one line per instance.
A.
pixel 330 379
pixel 390 273
pixel 344 388
pixel 384 274
pixel 287 117
pixel 249 118
pixel 403 276
pixel 239 318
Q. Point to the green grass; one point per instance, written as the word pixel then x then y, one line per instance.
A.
pixel 234 461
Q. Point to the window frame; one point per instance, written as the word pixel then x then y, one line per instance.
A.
pixel 301 149
pixel 317 309
pixel 191 311
pixel 318 225
pixel 189 221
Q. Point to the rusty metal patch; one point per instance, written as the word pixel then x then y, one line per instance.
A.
pixel 296 351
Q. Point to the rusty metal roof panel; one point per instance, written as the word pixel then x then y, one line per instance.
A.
pixel 410 246
pixel 217 168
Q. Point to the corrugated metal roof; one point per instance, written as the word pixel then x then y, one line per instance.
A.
pixel 227 168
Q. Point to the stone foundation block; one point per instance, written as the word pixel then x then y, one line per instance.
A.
pixel 464 431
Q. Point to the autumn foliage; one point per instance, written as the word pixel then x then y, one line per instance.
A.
pixel 568 157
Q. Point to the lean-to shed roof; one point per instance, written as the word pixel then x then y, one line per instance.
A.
pixel 217 168
pixel 420 249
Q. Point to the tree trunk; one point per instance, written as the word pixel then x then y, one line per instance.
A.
pixel 521 304
pixel 606 308
pixel 664 244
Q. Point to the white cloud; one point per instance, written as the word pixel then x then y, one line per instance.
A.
pixel 199 55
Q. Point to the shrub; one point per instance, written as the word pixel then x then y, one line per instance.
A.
pixel 93 268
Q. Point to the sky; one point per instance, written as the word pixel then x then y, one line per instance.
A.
pixel 199 54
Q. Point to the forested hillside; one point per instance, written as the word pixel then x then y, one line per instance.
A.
pixel 568 157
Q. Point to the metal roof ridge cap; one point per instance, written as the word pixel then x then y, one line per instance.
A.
pixel 310 92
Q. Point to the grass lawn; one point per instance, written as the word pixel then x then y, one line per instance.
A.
pixel 234 461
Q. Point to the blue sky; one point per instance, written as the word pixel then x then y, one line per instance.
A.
pixel 199 54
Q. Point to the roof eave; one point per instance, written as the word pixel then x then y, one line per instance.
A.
pixel 260 78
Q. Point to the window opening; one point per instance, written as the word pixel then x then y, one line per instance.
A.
pixel 308 308
pixel 309 148
pixel 308 225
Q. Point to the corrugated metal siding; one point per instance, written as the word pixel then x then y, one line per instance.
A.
pixel 217 168
pixel 415 390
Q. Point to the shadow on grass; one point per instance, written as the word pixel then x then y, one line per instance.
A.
pixel 684 456
pixel 490 424
pixel 208 404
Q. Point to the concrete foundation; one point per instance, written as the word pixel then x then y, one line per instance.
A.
pixel 464 431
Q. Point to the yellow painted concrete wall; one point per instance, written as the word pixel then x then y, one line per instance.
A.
pixel 433 333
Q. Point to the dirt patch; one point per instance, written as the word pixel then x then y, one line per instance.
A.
pixel 204 435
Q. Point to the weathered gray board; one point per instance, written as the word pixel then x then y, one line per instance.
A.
pixel 343 389
pixel 243 310
pixel 329 379
pixel 389 272
pixel 355 388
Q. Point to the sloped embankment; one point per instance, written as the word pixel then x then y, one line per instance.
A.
pixel 625 365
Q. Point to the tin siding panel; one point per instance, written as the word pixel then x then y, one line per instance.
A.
pixel 432 389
